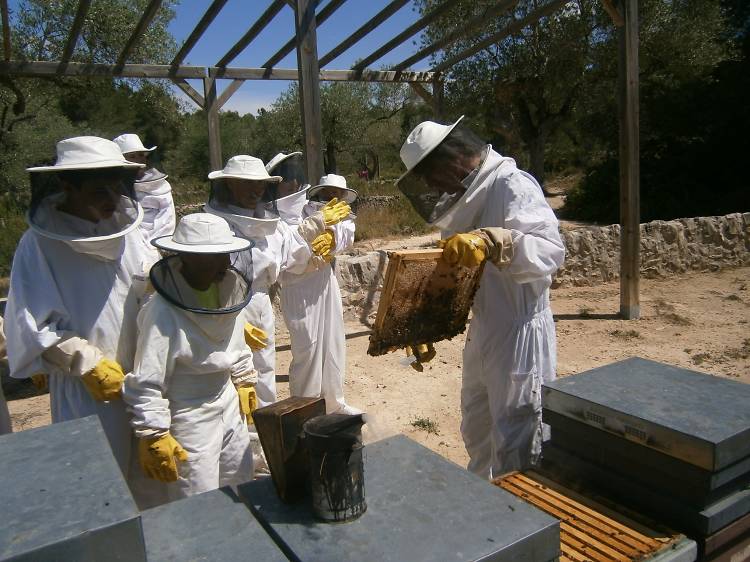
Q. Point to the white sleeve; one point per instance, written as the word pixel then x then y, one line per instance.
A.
pixel 538 250
pixel 35 313
pixel 144 388
pixel 296 252
pixel 344 235
pixel 166 219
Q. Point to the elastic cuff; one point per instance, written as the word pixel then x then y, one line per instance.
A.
pixel 248 378
pixel 150 433
pixel 499 243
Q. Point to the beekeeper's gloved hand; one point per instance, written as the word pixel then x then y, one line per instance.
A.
pixel 159 455
pixel 104 381
pixel 323 244
pixel 248 400
pixel 40 382
pixel 335 211
pixel 255 338
pixel 464 249
pixel 423 353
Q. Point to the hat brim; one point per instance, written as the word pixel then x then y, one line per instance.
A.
pixel 442 138
pixel 219 174
pixel 89 166
pixel 271 165
pixel 351 194
pixel 168 243
pixel 144 149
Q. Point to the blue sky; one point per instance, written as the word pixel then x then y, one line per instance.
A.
pixel 238 15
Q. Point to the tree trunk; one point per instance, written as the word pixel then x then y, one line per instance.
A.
pixel 330 160
pixel 536 156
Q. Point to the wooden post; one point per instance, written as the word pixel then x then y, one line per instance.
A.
pixel 309 90
pixel 438 98
pixel 212 113
pixel 630 233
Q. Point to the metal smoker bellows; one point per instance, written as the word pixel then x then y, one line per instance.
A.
pixel 337 480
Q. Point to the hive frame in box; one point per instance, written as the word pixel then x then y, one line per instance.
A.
pixel 405 318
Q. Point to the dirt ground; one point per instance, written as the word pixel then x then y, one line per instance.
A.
pixel 697 321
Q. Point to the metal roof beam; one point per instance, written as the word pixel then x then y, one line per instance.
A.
pixel 288 47
pixel 462 30
pixel 145 21
pixel 515 27
pixel 253 32
pixel 375 21
pixel 197 33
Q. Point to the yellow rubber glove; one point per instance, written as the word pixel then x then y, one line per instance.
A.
pixel 248 400
pixel 323 244
pixel 40 382
pixel 464 249
pixel 423 353
pixel 104 382
pixel 159 456
pixel 255 338
pixel 335 211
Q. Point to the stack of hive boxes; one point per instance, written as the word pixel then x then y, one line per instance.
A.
pixel 671 443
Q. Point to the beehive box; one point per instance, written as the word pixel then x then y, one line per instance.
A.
pixel 423 300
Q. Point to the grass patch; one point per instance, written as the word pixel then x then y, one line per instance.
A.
pixel 425 424
pixel 585 311
pixel 667 312
pixel 700 358
pixel 732 297
pixel 625 334
pixel 397 219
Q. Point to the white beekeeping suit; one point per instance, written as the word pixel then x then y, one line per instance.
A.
pixel 311 304
pixel 190 363
pixel 76 284
pixel 5 424
pixel 510 347
pixel 152 190
pixel 274 247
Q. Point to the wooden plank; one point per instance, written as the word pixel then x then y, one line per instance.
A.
pixel 422 92
pixel 307 62
pixel 191 92
pixel 478 22
pixel 140 28
pixel 406 34
pixel 7 51
pixel 513 28
pixel 75 30
pixel 197 33
pixel 237 73
pixel 630 231
pixel 41 69
pixel 229 92
pixel 366 28
pixel 212 114
pixel 387 290
pixel 265 18
pixel 324 14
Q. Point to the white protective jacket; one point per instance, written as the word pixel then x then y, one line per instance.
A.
pixel 312 309
pixel 182 383
pixel 65 302
pixel 154 194
pixel 510 347
pixel 276 247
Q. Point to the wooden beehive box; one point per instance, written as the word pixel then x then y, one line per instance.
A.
pixel 423 300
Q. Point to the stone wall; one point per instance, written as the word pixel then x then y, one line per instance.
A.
pixel 593 254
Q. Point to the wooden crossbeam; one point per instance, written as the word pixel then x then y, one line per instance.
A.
pixel 515 27
pixel 253 32
pixel 322 16
pixel 366 28
pixel 197 33
pixel 43 69
pixel 75 31
pixel 145 21
pixel 228 92
pixel 191 92
pixel 422 92
pixel 6 29
pixel 324 75
pixel 461 30
pixel 407 33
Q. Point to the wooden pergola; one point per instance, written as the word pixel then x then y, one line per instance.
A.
pixel 310 71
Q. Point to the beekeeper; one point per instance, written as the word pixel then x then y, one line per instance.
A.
pixel 311 301
pixel 488 209
pixel 244 193
pixel 192 367
pixel 77 277
pixel 151 189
